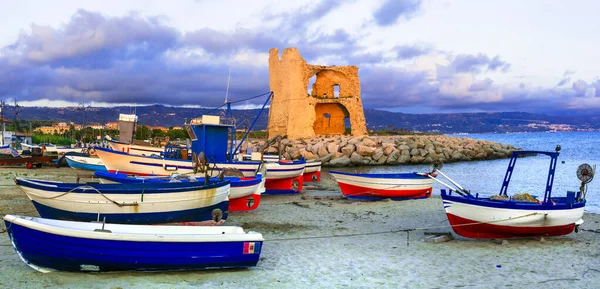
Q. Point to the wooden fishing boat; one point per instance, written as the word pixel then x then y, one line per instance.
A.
pixel 85 163
pixel 127 163
pixel 312 171
pixel 47 245
pixel 284 177
pixel 145 203
pixel 134 149
pixel 244 195
pixel 399 186
pixel 516 216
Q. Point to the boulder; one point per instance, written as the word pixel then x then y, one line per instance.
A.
pixel 404 159
pixel 322 151
pixel 332 148
pixel 388 150
pixel 369 142
pixel 326 158
pixel 365 150
pixel 377 154
pixel 355 158
pixel 348 149
pixel 340 162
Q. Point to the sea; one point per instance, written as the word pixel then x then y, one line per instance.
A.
pixel 530 173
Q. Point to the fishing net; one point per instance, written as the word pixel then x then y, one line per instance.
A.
pixel 525 197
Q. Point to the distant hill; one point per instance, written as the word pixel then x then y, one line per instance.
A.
pixel 376 119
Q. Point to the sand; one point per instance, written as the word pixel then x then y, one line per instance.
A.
pixel 320 240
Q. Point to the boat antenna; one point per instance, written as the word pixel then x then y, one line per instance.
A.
pixel 227 89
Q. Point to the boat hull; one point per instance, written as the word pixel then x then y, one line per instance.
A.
pixel 121 162
pixel 134 203
pixel 85 163
pixel 284 177
pixel 484 219
pixel 239 198
pixel 383 186
pixel 312 172
pixel 135 149
pixel 67 247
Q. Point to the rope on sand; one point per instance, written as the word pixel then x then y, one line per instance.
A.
pixel 408 230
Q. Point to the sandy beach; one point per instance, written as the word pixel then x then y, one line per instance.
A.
pixel 318 239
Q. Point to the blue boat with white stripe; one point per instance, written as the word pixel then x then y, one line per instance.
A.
pixel 144 203
pixel 85 163
pixel 48 245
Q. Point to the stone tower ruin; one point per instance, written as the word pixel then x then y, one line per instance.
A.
pixel 296 113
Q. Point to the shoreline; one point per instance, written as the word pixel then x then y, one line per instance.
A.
pixel 322 240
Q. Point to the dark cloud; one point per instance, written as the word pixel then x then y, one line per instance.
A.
pixel 395 87
pixel 93 40
pixel 579 87
pixel 412 51
pixel 391 10
pixel 478 63
pixel 481 85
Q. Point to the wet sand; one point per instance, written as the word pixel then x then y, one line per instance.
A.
pixel 318 239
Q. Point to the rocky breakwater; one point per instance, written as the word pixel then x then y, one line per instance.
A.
pixel 386 150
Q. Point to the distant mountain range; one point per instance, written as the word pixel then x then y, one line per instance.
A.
pixel 159 115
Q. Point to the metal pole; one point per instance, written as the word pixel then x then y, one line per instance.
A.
pixel 254 121
pixel 3 123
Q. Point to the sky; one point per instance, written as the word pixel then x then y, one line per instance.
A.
pixel 414 56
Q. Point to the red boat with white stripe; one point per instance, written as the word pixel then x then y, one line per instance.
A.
pixel 284 177
pixel 383 186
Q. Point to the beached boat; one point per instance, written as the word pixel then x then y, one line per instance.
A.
pixel 134 149
pixel 312 171
pixel 127 163
pixel 399 186
pixel 244 194
pixel 47 245
pixel 64 150
pixel 145 203
pixel 520 215
pixel 284 177
pixel 85 163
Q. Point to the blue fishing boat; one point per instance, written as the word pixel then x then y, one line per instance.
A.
pixel 144 203
pixel 47 245
pixel 244 195
pixel 519 215
pixel 85 163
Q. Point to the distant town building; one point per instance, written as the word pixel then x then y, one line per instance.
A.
pixel 111 125
pixel 162 128
pixel 96 126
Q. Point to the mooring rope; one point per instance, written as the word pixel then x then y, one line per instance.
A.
pixel 407 230
pixel 85 188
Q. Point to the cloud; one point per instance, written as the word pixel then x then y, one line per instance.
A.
pixel 412 51
pixel 221 43
pixel 391 10
pixel 596 85
pixel 566 78
pixel 93 40
pixel 478 63
pixel 481 85
pixel 299 19
pixel 579 87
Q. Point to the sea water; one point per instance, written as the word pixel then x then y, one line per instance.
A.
pixel 530 174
